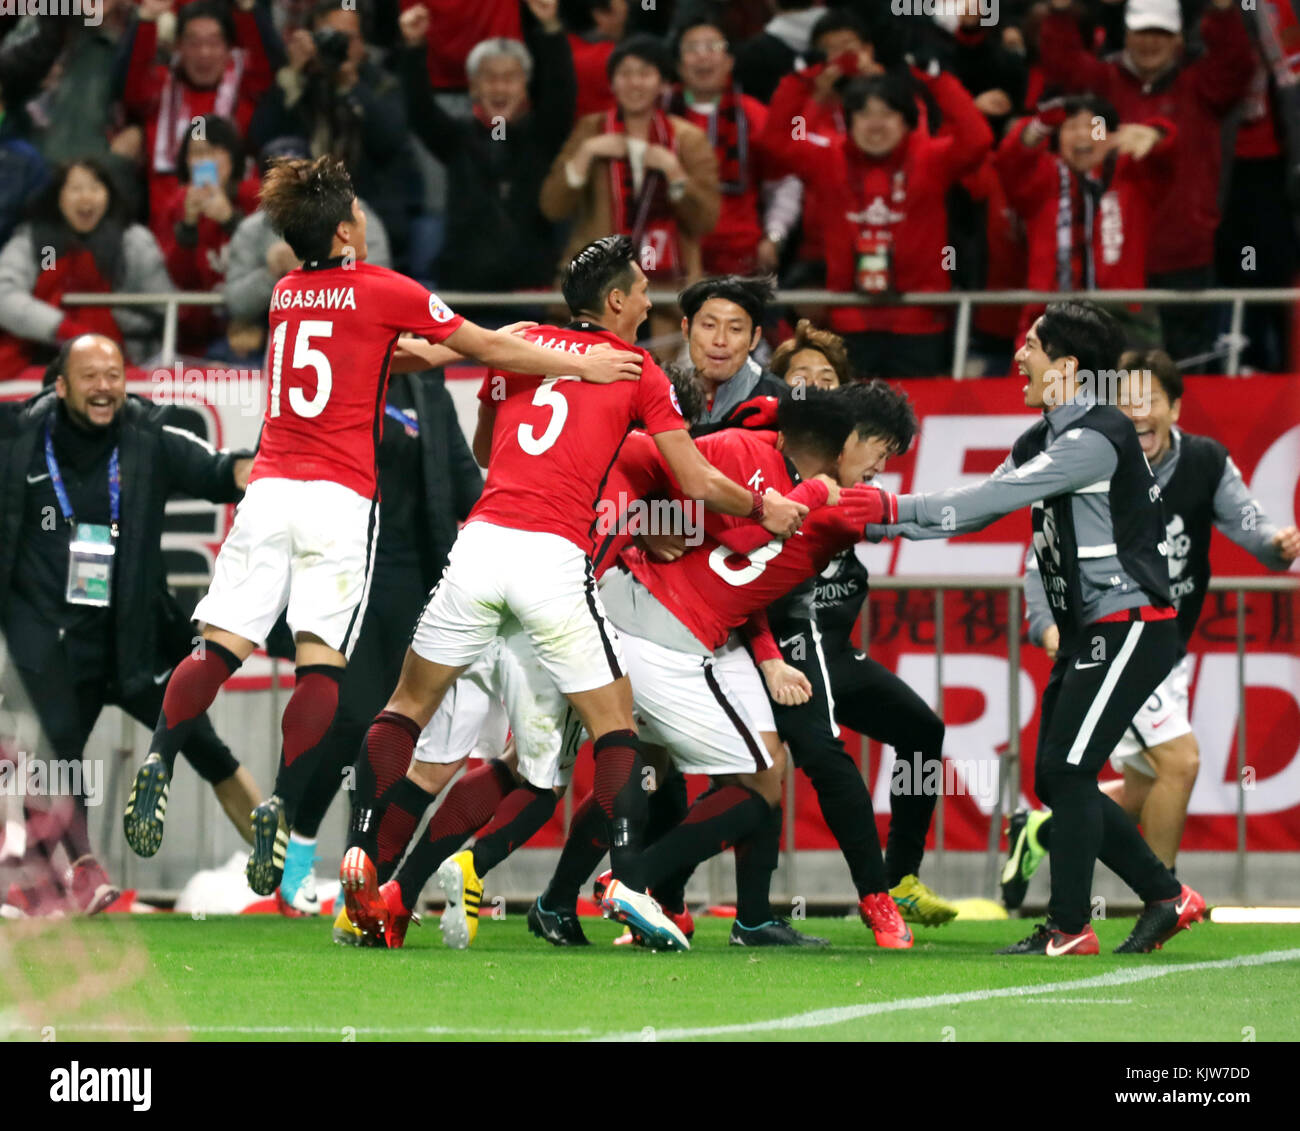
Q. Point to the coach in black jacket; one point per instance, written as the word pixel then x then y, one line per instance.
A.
pixel 74 658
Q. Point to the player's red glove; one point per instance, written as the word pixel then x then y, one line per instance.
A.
pixel 867 505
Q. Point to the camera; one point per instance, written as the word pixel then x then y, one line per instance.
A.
pixel 331 48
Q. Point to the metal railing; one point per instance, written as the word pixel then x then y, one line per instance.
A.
pixel 964 301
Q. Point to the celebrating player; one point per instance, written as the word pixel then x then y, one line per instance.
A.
pixel 695 685
pixel 1098 533
pixel 1201 487
pixel 305 532
pixel 525 550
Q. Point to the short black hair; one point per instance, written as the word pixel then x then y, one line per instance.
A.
pixel 1094 105
pixel 1083 330
pixel 892 88
pixel 699 21
pixel 217 131
pixel 305 201
pixel 839 19
pixel 648 48
pixel 751 294
pixel 879 410
pixel 814 421
pixel 606 264
pixel 207 10
pixel 1160 365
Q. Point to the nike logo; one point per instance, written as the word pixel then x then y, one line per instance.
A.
pixel 1078 667
pixel 159 680
pixel 791 640
pixel 37 478
pixel 1181 907
pixel 1157 726
pixel 1053 950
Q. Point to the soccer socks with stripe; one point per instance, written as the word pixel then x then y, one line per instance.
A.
pixel 385 756
pixel 619 788
pixel 193 686
pixel 516 819
pixel 400 808
pixel 466 808
pixel 717 820
pixel 587 842
pixel 756 859
pixel 306 721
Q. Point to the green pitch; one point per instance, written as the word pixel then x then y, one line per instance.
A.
pixel 266 978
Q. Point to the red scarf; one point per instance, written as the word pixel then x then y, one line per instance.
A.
pixel 175 116
pixel 728 130
pixel 647 216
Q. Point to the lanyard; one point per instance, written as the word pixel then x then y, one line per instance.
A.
pixel 114 484
pixel 409 419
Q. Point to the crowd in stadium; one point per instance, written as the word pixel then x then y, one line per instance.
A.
pixel 1061 145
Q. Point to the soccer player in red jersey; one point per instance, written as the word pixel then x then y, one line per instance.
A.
pixel 304 535
pixel 525 552
pixel 698 693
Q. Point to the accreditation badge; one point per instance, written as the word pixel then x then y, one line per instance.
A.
pixel 90 565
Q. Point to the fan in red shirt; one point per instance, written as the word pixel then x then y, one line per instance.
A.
pixel 304 535
pixel 551 445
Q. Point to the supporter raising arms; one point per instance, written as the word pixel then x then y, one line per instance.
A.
pixel 883 188
pixel 1153 78
pixel 222 65
pixel 1087 189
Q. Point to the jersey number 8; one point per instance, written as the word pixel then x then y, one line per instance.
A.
pixel 757 559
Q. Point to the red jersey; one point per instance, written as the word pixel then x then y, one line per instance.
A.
pixel 556 438
pixel 332 332
pixel 712 589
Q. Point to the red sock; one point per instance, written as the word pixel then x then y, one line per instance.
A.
pixel 385 757
pixel 193 686
pixel 468 806
pixel 306 721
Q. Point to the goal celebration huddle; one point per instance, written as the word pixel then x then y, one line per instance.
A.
pixel 719 646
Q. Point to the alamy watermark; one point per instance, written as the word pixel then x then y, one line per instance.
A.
pixel 639 517
pixel 1123 388
pixel 244 389
pixel 25 776
pixel 987 10
pixel 90 11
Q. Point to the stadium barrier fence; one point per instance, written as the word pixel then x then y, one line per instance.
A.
pixel 964 301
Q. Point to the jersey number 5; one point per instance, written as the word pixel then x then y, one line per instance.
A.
pixel 549 396
pixel 303 356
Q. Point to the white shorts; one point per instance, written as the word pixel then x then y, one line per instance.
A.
pixel 544 582
pixel 709 712
pixel 308 545
pixel 1162 717
pixel 505 690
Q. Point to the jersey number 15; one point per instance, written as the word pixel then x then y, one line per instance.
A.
pixel 304 356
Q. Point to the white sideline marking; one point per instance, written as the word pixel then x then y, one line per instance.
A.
pixel 818 1018
pixel 1079 1001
